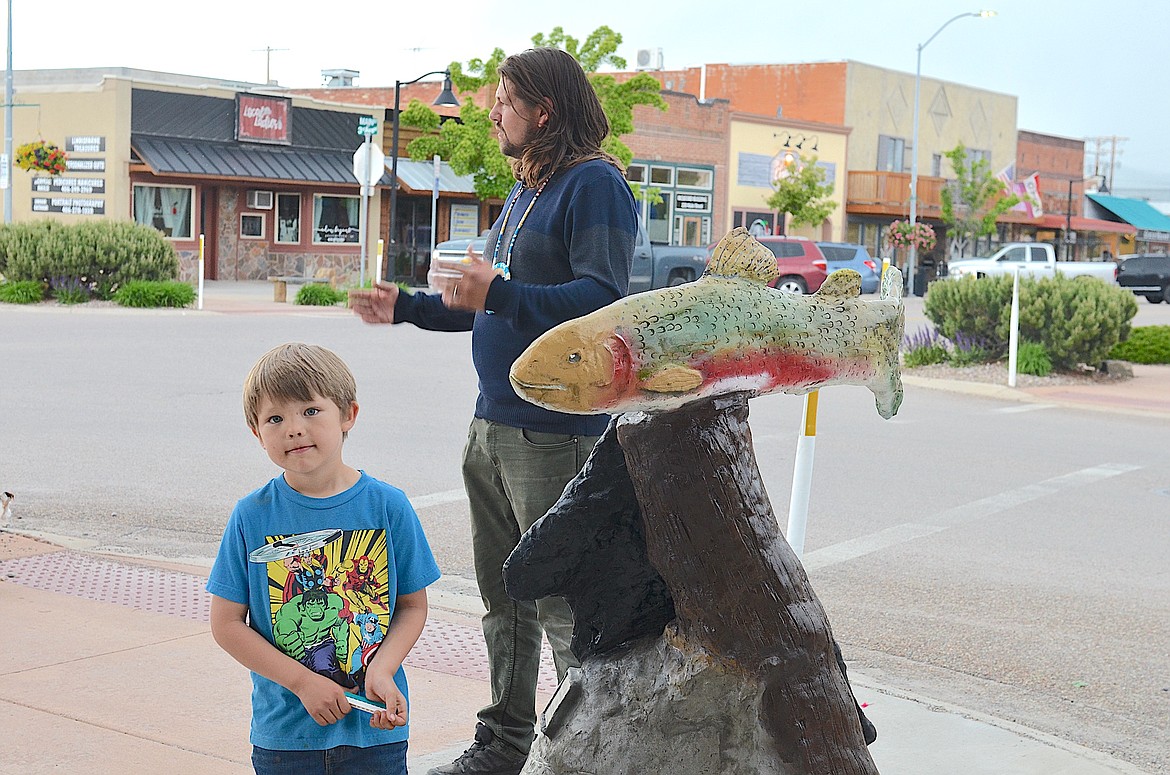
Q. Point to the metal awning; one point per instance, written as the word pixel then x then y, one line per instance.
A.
pixel 1138 212
pixel 418 177
pixel 245 161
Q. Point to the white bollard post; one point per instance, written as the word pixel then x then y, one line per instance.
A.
pixel 200 271
pixel 802 477
pixel 378 276
pixel 1014 327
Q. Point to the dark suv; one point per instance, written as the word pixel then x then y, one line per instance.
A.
pixel 1146 275
pixel 801 263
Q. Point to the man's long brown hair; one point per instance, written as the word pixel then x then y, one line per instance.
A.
pixel 553 79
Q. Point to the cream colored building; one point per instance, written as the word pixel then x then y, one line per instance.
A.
pixel 264 177
pixel 760 148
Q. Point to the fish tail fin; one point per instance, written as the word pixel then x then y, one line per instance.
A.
pixel 891 284
pixel 887 382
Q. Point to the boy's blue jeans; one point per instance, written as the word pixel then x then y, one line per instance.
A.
pixel 389 759
pixel 512 478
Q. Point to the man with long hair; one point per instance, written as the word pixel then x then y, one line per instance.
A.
pixel 561 248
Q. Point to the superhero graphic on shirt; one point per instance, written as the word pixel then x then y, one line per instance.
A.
pixel 328 595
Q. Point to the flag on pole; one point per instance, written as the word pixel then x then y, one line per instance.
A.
pixel 1028 190
pixel 1007 176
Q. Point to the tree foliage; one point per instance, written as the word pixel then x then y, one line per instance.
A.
pixel 972 205
pixel 803 193
pixel 470 145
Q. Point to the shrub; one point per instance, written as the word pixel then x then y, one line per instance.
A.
pixel 22 292
pixel 1078 320
pixel 923 348
pixel 1032 358
pixel 969 350
pixel 319 295
pixel 1146 344
pixel 152 293
pixel 102 255
pixel 68 290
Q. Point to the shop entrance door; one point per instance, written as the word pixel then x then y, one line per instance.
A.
pixel 208 227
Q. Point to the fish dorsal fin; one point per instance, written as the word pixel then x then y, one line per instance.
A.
pixel 738 254
pixel 843 283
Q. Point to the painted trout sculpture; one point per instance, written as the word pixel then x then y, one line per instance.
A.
pixel 726 332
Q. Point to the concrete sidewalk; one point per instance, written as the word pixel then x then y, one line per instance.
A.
pixel 110 667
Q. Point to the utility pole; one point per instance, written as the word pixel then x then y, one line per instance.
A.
pixel 268 61
pixel 1106 146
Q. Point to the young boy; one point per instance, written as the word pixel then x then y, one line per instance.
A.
pixel 319 587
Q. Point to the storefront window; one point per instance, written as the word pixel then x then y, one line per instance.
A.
pixel 335 219
pixel 636 173
pixel 659 221
pixel 166 208
pixel 252 225
pixel 693 178
pixel 288 218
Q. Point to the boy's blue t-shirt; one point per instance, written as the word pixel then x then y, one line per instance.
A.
pixel 320 577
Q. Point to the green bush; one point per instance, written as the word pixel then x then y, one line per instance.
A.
pixel 22 292
pixel 152 293
pixel 69 291
pixel 1146 344
pixel 1032 358
pixel 1078 320
pixel 923 348
pixel 101 255
pixel 320 295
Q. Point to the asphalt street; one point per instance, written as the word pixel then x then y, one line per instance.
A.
pixel 989 554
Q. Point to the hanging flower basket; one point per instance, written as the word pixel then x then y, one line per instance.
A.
pixel 901 234
pixel 40 156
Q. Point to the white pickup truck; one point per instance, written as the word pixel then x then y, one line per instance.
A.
pixel 1033 259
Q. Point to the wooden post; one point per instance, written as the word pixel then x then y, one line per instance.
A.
pixel 739 591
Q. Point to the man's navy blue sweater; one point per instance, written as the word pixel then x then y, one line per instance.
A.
pixel 571 257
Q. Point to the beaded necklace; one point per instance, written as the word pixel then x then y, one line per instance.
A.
pixel 504 268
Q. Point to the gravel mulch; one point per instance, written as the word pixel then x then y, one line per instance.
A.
pixel 997 373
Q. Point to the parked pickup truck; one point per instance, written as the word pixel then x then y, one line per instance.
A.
pixel 654 266
pixel 1033 259
pixel 1147 275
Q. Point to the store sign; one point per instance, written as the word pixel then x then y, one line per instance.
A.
pixel 59 185
pixel 263 119
pixel 68 205
pixel 85 144
pixel 692 202
pixel 84 165
pixel 464 221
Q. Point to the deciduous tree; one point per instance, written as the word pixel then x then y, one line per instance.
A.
pixel 470 146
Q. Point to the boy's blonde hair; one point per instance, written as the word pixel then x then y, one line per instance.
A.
pixel 296 372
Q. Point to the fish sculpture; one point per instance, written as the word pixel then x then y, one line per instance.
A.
pixel 728 331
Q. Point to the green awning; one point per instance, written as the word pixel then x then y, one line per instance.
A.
pixel 1138 212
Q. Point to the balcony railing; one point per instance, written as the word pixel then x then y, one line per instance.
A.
pixel 888 193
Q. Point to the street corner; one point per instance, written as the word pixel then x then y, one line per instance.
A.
pixel 14 546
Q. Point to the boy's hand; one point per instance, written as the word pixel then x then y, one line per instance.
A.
pixel 375 305
pixel 395 713
pixel 323 699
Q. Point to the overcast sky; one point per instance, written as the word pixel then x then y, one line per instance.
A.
pixel 1080 69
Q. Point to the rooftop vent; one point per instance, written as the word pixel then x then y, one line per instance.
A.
pixel 339 77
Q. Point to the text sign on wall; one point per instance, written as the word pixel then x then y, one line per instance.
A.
pixel 85 165
pixel 464 221
pixel 85 144
pixel 60 185
pixel 263 119
pixel 69 205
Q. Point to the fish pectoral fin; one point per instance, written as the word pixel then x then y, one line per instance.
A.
pixel 672 379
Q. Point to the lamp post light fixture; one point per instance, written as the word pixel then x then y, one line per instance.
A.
pixel 914 154
pixel 446 98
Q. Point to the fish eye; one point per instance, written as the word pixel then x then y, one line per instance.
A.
pixel 574 357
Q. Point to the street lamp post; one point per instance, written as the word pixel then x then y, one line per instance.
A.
pixel 914 154
pixel 445 98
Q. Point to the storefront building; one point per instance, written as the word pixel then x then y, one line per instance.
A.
pixel 264 178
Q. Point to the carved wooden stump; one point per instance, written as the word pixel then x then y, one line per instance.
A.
pixel 745 680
